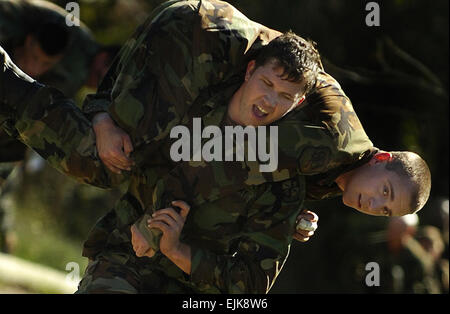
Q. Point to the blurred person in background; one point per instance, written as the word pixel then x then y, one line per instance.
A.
pixel 36 36
pixel 411 261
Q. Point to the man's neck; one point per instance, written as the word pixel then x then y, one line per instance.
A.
pixel 228 121
pixel 233 108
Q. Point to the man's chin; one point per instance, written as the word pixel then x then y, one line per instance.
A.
pixel 257 122
pixel 348 203
pixel 344 200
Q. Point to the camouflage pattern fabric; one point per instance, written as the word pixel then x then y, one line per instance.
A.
pixel 259 225
pixel 42 118
pixel 255 228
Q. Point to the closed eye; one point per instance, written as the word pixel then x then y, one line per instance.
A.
pixel 287 96
pixel 267 82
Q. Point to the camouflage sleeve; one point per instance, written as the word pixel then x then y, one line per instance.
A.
pixel 102 99
pixel 329 109
pixel 261 247
pixel 43 119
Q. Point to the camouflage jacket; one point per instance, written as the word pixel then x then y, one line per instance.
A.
pixel 18 17
pixel 326 133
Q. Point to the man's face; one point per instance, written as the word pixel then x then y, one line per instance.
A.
pixel 264 97
pixel 31 59
pixel 374 190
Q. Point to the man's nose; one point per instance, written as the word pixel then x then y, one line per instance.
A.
pixel 270 100
pixel 376 204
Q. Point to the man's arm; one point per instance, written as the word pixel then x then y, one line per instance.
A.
pixel 260 248
pixel 255 254
pixel 256 251
pixel 43 119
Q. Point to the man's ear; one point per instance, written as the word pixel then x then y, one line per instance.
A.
pixel 300 101
pixel 251 66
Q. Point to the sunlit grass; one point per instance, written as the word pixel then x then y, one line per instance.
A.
pixel 41 243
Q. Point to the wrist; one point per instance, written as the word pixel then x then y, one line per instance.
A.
pixel 176 252
pixel 102 119
pixel 181 256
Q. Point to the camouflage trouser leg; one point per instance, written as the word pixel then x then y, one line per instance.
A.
pixel 117 276
pixel 105 277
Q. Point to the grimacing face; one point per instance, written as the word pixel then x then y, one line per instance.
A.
pixel 264 97
pixel 374 190
pixel 31 59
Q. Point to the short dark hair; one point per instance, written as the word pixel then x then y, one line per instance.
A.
pixel 412 166
pixel 52 37
pixel 298 57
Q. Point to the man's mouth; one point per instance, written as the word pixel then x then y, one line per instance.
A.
pixel 259 111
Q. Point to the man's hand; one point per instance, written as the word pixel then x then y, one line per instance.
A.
pixel 113 144
pixel 306 225
pixel 170 223
pixel 140 245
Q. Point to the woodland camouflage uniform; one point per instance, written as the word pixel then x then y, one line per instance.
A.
pixel 242 220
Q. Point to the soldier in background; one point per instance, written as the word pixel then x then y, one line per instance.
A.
pixel 435 266
pixel 36 36
pixel 410 258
